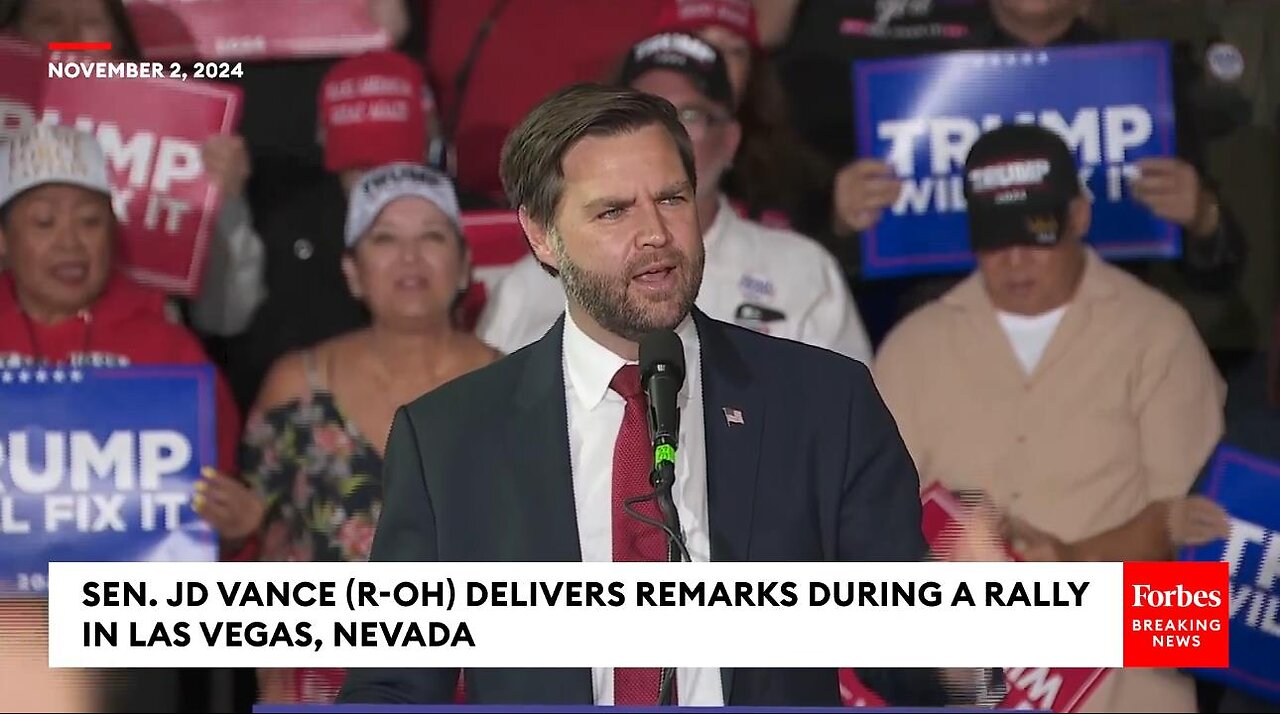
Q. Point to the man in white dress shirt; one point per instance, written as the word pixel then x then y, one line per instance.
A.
pixel 773 281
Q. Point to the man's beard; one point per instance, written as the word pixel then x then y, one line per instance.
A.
pixel 607 300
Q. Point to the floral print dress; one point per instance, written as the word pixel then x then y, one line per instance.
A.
pixel 322 483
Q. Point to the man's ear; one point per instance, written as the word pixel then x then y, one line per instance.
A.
pixel 539 238
pixel 1079 216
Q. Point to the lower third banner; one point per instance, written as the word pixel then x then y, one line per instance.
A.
pixel 1248 487
pixel 101 465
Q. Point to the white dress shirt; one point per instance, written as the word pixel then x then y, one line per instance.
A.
pixel 595 416
pixel 772 281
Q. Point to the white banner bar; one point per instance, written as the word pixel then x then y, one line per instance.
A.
pixel 586 614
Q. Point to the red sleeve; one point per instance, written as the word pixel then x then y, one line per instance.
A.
pixel 226 413
pixel 228 426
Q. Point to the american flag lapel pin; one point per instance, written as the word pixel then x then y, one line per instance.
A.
pixel 733 416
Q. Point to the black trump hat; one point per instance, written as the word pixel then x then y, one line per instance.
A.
pixel 686 54
pixel 1019 180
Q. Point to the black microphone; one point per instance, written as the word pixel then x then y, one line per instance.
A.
pixel 662 376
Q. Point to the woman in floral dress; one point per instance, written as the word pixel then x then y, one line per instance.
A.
pixel 314 441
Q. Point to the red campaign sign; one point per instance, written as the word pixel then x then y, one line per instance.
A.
pixel 1053 689
pixel 151 131
pixel 497 242
pixel 495 238
pixel 254 29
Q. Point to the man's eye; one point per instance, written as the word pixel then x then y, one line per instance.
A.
pixel 675 200
pixel 610 214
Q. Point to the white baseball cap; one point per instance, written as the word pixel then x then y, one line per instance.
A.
pixel 44 153
pixel 382 185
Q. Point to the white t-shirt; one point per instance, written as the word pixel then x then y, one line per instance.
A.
pixel 1030 335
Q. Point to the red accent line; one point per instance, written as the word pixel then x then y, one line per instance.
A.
pixel 82 46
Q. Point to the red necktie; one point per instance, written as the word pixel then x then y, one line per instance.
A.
pixel 632 539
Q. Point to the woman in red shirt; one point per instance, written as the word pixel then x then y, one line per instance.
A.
pixel 64 301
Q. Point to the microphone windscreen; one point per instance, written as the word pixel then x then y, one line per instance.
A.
pixel 661 350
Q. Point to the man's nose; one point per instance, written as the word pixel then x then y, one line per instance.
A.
pixel 1017 256
pixel 654 231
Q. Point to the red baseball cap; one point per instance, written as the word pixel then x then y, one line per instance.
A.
pixel 373 110
pixel 737 16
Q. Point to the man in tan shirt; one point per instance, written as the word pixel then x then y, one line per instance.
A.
pixel 1079 401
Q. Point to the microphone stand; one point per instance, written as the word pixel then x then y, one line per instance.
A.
pixel 663 478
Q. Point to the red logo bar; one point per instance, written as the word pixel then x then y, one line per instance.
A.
pixel 1176 614
pixel 79 46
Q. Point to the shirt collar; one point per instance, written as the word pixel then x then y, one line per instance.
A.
pixel 590 366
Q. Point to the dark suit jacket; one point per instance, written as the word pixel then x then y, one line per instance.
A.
pixel 479 470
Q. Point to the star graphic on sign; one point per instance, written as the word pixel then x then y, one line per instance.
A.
pixel 59 376
pixel 76 375
pixel 42 376
pixel 24 376
pixel 1027 58
pixel 1042 58
pixel 6 377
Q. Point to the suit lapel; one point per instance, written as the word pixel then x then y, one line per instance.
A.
pixel 733 415
pixel 539 449
pixel 539 459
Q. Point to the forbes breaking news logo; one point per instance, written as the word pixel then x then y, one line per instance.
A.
pixel 1176 615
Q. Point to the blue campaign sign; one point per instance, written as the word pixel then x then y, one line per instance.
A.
pixel 1248 487
pixel 1113 104
pixel 101 465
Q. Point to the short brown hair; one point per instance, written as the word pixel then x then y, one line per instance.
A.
pixel 532 167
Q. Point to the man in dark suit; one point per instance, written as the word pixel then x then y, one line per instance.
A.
pixel 786 452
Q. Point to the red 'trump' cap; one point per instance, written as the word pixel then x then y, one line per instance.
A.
pixel 373 110
pixel 738 16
